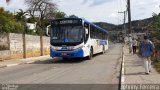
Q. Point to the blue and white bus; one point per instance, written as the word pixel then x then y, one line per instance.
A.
pixel 76 38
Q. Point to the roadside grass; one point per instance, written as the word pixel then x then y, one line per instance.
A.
pixel 156 58
pixel 156 64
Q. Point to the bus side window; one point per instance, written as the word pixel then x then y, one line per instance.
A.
pixel 99 34
pixel 103 36
pixel 96 33
pixel 92 32
pixel 106 36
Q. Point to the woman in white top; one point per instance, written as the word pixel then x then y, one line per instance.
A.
pixel 134 45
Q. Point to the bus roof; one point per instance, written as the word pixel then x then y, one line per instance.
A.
pixel 94 25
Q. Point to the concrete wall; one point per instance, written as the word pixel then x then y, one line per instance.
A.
pixel 4 42
pixel 16 46
pixel 46 45
pixel 32 46
pixel 5 55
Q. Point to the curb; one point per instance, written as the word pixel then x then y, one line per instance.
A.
pixel 122 77
pixel 20 63
pixel 16 64
pixel 122 74
pixel 10 65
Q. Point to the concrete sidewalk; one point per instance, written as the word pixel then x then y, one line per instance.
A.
pixel 134 72
pixel 9 63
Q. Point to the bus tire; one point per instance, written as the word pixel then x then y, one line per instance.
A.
pixel 65 58
pixel 90 55
pixel 103 50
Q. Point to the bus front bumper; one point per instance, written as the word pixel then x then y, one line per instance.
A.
pixel 67 54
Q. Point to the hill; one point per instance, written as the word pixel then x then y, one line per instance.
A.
pixel 105 25
pixel 137 25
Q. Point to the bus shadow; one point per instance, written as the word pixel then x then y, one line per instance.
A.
pixel 65 61
pixel 61 61
pixel 98 54
pixel 69 61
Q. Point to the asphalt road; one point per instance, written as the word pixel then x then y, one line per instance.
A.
pixel 103 69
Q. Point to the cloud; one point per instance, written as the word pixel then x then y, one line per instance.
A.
pixel 97 10
pixel 95 2
pixel 14 5
pixel 113 15
pixel 142 8
pixel 141 3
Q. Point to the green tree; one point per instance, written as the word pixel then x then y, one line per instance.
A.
pixel 43 8
pixel 21 15
pixel 56 15
pixel 31 20
pixel 59 14
pixel 1 9
pixel 155 25
pixel 156 22
pixel 13 27
pixel 73 16
pixel 8 23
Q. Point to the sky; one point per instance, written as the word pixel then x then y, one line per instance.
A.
pixel 97 10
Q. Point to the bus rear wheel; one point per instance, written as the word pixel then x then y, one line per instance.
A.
pixel 103 50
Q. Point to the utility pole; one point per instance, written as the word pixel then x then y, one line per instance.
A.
pixel 129 16
pixel 124 21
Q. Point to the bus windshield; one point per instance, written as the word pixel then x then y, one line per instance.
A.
pixel 67 34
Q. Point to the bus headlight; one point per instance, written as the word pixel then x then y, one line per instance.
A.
pixel 76 48
pixel 54 48
pixel 70 48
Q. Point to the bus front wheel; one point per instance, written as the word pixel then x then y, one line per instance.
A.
pixel 65 58
pixel 91 54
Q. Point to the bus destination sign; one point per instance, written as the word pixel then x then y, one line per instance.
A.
pixel 67 22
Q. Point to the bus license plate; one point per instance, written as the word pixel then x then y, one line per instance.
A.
pixel 64 54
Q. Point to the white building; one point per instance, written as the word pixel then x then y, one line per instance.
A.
pixel 31 26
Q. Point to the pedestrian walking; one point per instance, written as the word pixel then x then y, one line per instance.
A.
pixel 134 45
pixel 130 43
pixel 146 47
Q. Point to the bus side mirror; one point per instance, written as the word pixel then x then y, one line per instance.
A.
pixel 86 30
pixel 48 30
